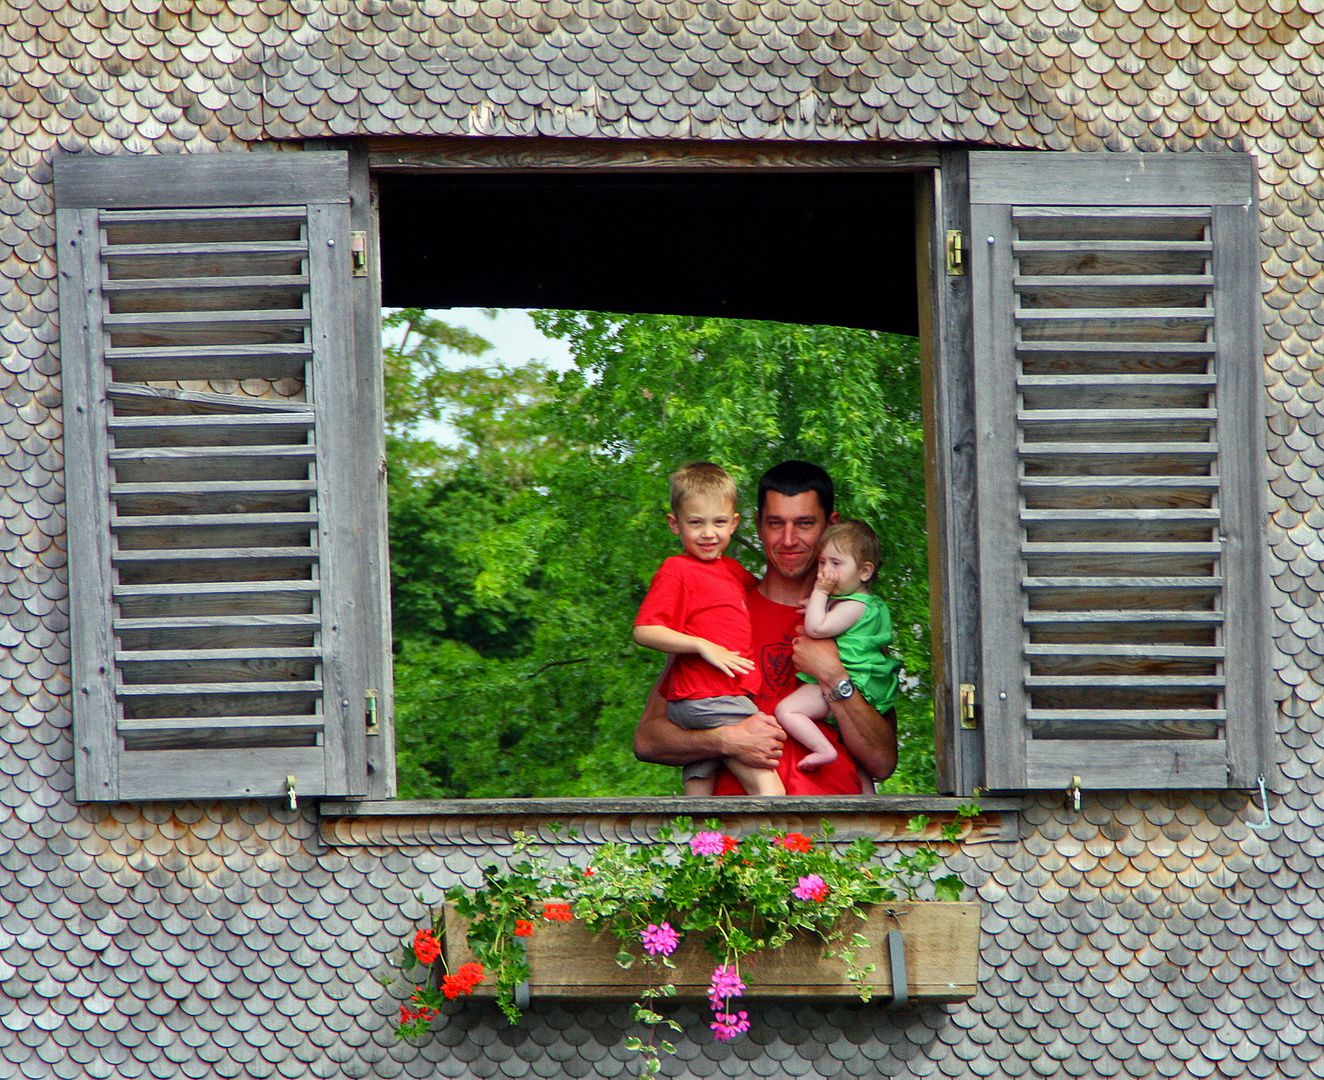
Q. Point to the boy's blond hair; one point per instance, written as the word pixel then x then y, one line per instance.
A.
pixel 701 478
pixel 857 540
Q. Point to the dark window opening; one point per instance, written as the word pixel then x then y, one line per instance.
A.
pixel 835 249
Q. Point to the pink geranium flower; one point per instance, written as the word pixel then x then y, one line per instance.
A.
pixel 728 1025
pixel 725 984
pixel 810 887
pixel 660 939
pixel 707 843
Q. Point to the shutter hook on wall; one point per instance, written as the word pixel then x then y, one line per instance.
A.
pixel 1260 826
pixel 289 791
pixel 1073 793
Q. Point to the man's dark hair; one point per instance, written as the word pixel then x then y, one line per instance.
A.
pixel 792 478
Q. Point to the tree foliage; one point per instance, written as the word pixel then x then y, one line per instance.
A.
pixel 520 555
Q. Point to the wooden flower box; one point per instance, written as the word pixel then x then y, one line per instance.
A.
pixel 938 940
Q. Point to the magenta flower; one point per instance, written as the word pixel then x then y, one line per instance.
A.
pixel 810 887
pixel 726 984
pixel 660 939
pixel 707 843
pixel 728 1025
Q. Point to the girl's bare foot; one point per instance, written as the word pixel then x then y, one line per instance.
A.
pixel 810 762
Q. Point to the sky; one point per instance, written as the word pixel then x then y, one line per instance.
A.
pixel 515 340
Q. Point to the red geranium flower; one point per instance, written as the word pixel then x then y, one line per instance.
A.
pixel 556 912
pixel 426 946
pixel 523 928
pixel 463 981
pixel 794 841
pixel 729 843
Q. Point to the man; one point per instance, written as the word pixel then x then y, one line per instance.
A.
pixel 795 505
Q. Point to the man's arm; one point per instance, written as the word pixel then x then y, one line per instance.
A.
pixel 756 740
pixel 869 736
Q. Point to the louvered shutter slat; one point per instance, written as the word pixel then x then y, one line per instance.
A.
pixel 1116 367
pixel 222 618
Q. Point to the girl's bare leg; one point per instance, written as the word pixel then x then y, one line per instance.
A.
pixel 796 714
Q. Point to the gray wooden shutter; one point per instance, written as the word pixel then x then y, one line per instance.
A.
pixel 1118 358
pixel 224 518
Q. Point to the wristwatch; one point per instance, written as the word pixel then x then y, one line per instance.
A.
pixel 841 691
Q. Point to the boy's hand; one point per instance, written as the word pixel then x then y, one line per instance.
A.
pixel 724 660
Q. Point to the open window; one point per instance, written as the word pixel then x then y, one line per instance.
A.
pixel 1094 443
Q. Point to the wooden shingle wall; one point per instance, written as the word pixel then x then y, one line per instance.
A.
pixel 1145 936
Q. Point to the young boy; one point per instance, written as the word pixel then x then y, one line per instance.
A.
pixel 695 609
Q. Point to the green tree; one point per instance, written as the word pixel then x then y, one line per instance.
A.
pixel 520 556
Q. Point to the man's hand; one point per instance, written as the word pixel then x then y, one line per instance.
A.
pixel 724 660
pixel 817 657
pixel 755 741
pixel 870 738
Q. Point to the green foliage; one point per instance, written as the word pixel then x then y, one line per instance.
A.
pixel 520 555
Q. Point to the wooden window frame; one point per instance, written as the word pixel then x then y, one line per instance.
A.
pixel 941 188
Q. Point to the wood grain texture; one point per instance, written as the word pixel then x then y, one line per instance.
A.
pixel 1000 539
pixel 87 477
pixel 941 946
pixel 369 418
pixel 1240 340
pixel 1111 180
pixel 950 453
pixel 186 180
pixel 346 500
pixel 1130 476
pixel 527 154
pixel 207 492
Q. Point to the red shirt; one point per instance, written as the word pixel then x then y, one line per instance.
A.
pixel 707 600
pixel 773 627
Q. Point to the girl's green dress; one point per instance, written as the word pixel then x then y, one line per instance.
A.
pixel 874 672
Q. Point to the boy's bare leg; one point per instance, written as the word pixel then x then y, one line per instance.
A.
pixel 755 781
pixel 698 787
pixel 797 713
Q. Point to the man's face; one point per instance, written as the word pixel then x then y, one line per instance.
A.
pixel 790 527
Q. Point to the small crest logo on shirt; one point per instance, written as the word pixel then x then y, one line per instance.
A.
pixel 776 666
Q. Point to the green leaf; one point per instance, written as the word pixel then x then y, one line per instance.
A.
pixel 949 888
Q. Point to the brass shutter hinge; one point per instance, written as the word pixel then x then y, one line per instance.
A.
pixel 969 721
pixel 955 253
pixel 370 715
pixel 358 254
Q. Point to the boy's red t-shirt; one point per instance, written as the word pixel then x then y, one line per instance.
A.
pixel 773 629
pixel 707 600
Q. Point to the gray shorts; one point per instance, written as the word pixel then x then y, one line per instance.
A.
pixel 696 714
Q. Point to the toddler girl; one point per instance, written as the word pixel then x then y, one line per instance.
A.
pixel 841 607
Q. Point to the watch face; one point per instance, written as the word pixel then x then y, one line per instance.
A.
pixel 845 688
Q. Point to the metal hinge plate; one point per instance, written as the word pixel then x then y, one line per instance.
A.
pixel 969 720
pixel 955 253
pixel 358 254
pixel 371 723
